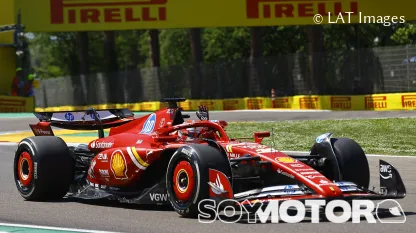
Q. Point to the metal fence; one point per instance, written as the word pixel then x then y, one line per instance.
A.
pixel 366 71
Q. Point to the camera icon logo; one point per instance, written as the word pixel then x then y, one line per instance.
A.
pixel 390 208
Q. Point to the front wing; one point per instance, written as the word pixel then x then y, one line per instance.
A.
pixel 391 187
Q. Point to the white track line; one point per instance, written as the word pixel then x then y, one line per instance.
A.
pixel 54 228
pixel 14 132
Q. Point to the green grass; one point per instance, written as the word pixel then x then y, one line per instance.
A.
pixel 394 136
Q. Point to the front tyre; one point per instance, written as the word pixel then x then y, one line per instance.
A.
pixel 352 161
pixel 346 156
pixel 187 177
pixel 43 168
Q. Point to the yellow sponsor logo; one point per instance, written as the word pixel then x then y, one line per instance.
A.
pixel 291 9
pixel 286 160
pixel 309 103
pixel 15 104
pixel 119 165
pixel 340 102
pixel 104 11
pixel 409 101
pixel 281 103
pixel 375 102
pixel 254 104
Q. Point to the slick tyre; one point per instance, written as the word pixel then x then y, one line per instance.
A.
pixel 352 161
pixel 43 168
pixel 187 177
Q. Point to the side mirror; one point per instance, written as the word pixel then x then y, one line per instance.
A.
pixel 258 136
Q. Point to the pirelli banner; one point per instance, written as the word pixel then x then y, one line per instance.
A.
pixel 101 15
pixel 10 104
pixel 376 102
pixel 7 17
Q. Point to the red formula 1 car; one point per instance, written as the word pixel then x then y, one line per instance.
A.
pixel 162 158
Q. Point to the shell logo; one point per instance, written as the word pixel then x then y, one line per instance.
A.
pixel 119 165
pixel 285 160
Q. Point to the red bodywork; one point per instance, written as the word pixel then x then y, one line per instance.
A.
pixel 121 159
pixel 123 156
pixel 129 149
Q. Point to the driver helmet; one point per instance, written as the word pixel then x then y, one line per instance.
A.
pixel 190 133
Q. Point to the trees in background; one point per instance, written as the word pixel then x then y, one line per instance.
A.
pixel 60 54
pixel 256 53
pixel 154 48
pixel 197 63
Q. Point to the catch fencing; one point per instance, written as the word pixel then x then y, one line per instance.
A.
pixel 343 72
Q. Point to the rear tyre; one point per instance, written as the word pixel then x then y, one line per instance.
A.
pixel 43 168
pixel 188 175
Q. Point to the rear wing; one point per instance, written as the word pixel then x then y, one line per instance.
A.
pixel 80 120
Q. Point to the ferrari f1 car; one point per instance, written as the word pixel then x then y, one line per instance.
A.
pixel 161 159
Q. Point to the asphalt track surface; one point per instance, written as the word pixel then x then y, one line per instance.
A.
pixel 121 218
